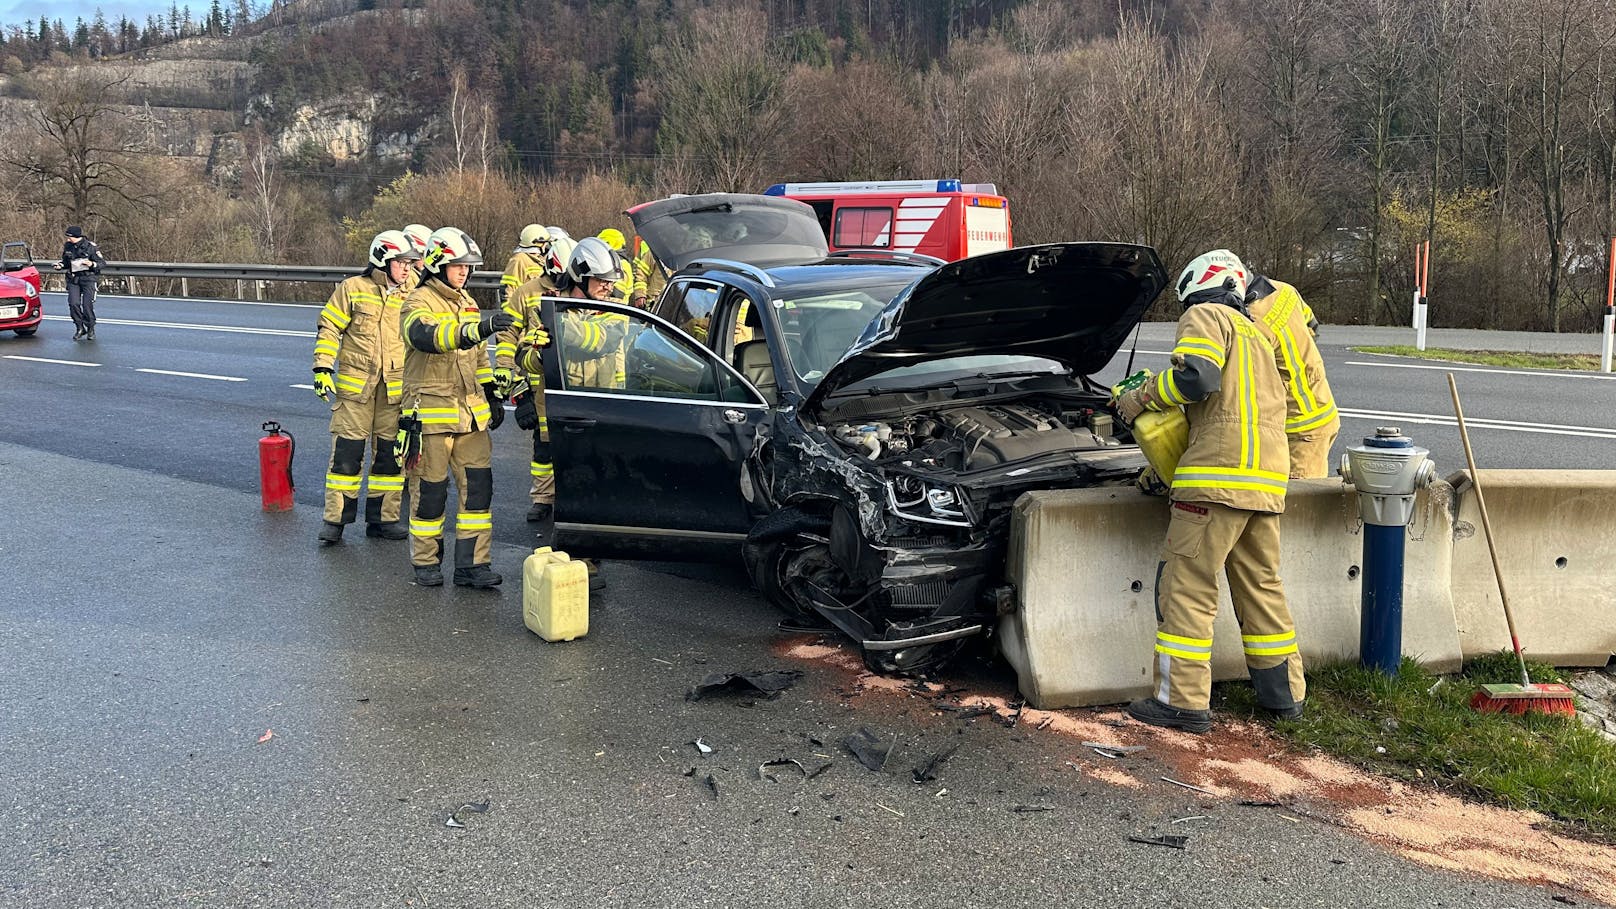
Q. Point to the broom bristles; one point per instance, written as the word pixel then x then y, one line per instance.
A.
pixel 1522 699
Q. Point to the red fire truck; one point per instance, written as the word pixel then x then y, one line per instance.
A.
pixel 943 218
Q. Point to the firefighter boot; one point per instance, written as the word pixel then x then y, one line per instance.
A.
pixel 469 575
pixel 1154 712
pixel 431 575
pixel 330 533
pixel 393 531
pixel 540 512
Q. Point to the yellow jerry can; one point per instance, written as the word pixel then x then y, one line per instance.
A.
pixel 1161 435
pixel 555 595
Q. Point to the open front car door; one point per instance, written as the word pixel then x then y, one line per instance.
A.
pixel 649 435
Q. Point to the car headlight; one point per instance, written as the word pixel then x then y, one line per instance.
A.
pixel 28 289
pixel 915 499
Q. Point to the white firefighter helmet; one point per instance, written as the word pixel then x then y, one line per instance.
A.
pixel 389 245
pixel 557 233
pixel 592 258
pixel 450 246
pixel 418 234
pixel 1213 270
pixel 555 264
pixel 534 236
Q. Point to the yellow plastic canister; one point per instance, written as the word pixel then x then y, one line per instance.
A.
pixel 1162 436
pixel 555 595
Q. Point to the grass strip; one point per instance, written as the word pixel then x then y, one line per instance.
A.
pixel 1509 358
pixel 1550 764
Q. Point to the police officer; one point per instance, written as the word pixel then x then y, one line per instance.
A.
pixel 1227 496
pixel 81 260
pixel 449 389
pixel 359 327
pixel 1311 420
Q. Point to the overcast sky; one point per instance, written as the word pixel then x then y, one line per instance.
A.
pixel 18 12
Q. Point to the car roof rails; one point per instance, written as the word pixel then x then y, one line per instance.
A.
pixel 751 271
pixel 896 256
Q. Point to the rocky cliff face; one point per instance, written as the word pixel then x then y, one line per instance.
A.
pixel 346 130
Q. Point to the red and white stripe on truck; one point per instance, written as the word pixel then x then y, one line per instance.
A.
pixel 943 218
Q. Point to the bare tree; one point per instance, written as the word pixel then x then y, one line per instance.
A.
pixel 473 141
pixel 723 100
pixel 261 189
pixel 82 151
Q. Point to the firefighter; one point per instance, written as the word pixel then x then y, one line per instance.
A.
pixel 1227 496
pixel 418 234
pixel 449 389
pixel 622 291
pixel 527 260
pixel 592 342
pixel 649 276
pixel 523 306
pixel 1311 421
pixel 359 327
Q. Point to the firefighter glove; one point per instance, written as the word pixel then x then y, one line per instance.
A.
pixel 496 407
pixel 324 385
pixel 496 321
pixel 1135 401
pixel 536 337
pixel 503 380
pixel 527 414
pixel 1150 483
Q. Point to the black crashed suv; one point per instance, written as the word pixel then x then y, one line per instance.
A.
pixel 858 425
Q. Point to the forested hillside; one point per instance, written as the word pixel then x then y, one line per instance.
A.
pixel 1322 139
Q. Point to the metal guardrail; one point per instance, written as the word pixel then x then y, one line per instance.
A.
pixel 212 271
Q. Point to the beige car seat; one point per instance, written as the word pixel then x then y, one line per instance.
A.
pixel 752 359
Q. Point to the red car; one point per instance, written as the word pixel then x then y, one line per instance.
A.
pixel 20 307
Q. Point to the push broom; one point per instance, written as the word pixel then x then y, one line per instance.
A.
pixel 1508 698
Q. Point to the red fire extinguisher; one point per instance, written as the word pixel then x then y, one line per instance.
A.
pixel 275 453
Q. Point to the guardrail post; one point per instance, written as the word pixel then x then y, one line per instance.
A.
pixel 241 289
pixel 185 287
pixel 260 289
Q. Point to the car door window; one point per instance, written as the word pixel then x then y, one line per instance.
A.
pixel 694 309
pixel 632 354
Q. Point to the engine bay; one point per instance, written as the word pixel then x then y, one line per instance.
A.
pixel 979 436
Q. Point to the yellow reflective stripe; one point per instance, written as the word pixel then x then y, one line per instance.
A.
pixel 336 316
pixel 386 482
pixel 474 520
pixel 1180 639
pixel 426 528
pixel 509 280
pixel 468 316
pixel 440 414
pixel 326 346
pixel 1200 347
pixel 1229 478
pixel 543 423
pixel 1167 389
pixel 620 378
pixel 485 374
pixel 1269 644
pixel 1183 654
pixel 479 409
pixel 444 336
pixel 359 296
pixel 395 386
pixel 515 313
pixel 342 482
pixel 350 383
pixel 540 470
pixel 1309 421
pixel 504 349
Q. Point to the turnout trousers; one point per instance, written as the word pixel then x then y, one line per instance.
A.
pixel 355 424
pixel 1203 537
pixel 466 455
pixel 543 491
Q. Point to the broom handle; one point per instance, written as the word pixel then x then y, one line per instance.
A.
pixel 1487 529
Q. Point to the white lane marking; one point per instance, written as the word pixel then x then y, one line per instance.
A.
pixel 1552 429
pixel 49 360
pixel 240 330
pixel 192 375
pixel 1564 374
pixel 305 387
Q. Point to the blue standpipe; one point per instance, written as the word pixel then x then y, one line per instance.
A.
pixel 1380 629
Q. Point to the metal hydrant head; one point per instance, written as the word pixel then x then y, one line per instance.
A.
pixel 1387 469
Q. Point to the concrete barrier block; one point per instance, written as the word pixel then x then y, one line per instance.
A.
pixel 1556 533
pixel 1083 563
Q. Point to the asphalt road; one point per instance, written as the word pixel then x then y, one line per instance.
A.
pixel 155 626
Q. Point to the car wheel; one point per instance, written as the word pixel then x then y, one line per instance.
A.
pixel 25 332
pixel 767 564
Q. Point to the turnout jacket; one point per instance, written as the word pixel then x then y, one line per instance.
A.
pixel 1224 376
pixel 524 266
pixel 523 305
pixel 359 327
pixel 1286 322
pixel 445 362
pixel 591 349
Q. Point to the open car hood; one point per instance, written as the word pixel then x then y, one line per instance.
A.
pixel 1070 302
pixel 756 230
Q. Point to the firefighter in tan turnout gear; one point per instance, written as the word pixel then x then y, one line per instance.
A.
pixel 1311 420
pixel 1227 496
pixel 450 405
pixel 523 305
pixel 527 261
pixel 359 368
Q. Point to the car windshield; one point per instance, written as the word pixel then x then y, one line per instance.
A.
pixel 819 328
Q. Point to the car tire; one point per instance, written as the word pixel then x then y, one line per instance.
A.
pixel 25 332
pixel 766 563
